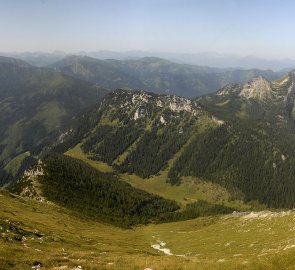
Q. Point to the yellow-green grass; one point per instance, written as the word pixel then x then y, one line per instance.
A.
pixel 106 121
pixel 221 104
pixel 190 190
pixel 77 152
pixel 242 114
pixel 120 159
pixel 204 123
pixel 282 81
pixel 205 243
pixel 239 240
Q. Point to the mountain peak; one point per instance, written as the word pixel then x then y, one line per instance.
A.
pixel 259 88
pixel 144 101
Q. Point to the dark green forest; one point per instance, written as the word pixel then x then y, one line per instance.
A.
pixel 194 210
pixel 102 196
pixel 251 153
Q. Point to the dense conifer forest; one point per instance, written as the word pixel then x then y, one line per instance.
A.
pixel 77 186
pixel 244 143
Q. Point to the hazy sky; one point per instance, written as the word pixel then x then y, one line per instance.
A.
pixel 247 27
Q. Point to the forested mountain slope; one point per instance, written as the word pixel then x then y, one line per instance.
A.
pixel 242 137
pixel 35 105
pixel 90 193
pixel 79 187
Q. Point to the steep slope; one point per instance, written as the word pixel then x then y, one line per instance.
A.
pixel 90 193
pixel 138 131
pixel 82 189
pixel 155 74
pixel 242 137
pixel 35 105
pixel 47 236
pixel 255 150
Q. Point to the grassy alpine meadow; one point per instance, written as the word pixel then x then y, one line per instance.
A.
pixel 36 235
pixel 190 190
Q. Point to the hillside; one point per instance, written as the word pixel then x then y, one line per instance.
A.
pixel 241 138
pixel 156 75
pixel 74 185
pixel 214 158
pixel 90 193
pixel 47 236
pixel 35 106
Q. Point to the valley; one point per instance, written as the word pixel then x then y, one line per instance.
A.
pixel 47 99
pixel 129 179
pixel 219 138
pixel 190 190
pixel 147 135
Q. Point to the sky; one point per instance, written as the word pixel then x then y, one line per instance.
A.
pixel 263 28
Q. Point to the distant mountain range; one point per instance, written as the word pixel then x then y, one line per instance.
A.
pixel 38 59
pixel 156 74
pixel 209 59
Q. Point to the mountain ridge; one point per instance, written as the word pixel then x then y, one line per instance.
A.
pixel 209 133
pixel 140 133
pixel 213 59
pixel 155 74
